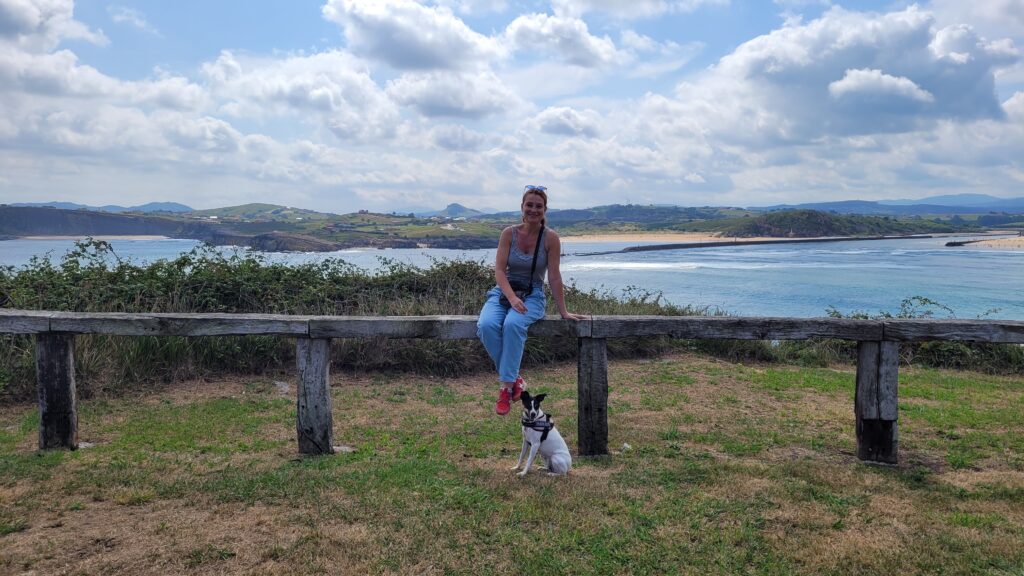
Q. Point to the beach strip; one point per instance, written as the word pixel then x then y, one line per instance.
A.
pixel 97 237
pixel 1011 243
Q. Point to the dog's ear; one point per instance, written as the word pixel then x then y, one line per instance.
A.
pixel 525 398
pixel 539 398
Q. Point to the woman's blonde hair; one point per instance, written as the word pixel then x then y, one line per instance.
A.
pixel 539 192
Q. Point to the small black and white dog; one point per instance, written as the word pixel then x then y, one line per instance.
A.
pixel 540 435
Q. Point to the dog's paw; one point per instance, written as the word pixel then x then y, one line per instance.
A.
pixel 523 473
pixel 514 468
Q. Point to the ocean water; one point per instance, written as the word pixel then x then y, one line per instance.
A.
pixel 803 280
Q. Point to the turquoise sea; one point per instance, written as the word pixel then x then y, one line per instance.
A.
pixel 759 280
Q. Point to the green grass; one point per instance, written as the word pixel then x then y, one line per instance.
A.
pixel 715 468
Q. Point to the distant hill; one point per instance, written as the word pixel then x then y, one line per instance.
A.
pixel 644 216
pixel 456 211
pixel 45 221
pixel 871 208
pixel 160 207
pixel 113 208
pixel 948 200
pixel 812 223
pixel 1007 205
pixel 265 212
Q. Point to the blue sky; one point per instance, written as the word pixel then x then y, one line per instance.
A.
pixel 341 105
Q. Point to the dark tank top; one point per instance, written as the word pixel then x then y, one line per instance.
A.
pixel 519 263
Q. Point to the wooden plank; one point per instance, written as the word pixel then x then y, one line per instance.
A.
pixel 866 394
pixel 464 327
pixel 911 329
pixel 314 423
pixel 58 401
pixel 592 397
pixel 888 380
pixel 24 321
pixel 436 327
pixel 163 324
pixel 736 327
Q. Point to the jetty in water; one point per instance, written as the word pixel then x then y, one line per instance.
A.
pixel 739 242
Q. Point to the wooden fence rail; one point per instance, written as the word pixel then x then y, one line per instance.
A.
pixel 875 404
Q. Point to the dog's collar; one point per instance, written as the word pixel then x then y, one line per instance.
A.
pixel 542 426
pixel 539 425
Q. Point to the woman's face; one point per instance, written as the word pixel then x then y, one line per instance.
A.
pixel 533 208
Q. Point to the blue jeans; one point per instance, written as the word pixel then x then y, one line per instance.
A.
pixel 503 330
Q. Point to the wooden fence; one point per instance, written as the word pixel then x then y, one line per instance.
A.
pixel 875 404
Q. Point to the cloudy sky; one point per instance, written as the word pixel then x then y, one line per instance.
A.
pixel 341 105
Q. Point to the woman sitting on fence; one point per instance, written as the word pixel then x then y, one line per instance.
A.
pixel 525 252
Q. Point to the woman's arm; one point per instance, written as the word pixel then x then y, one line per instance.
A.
pixel 554 250
pixel 500 264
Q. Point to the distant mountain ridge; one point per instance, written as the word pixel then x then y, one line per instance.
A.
pixel 148 207
pixel 969 200
pixel 872 208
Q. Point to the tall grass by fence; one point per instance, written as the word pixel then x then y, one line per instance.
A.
pixel 92 278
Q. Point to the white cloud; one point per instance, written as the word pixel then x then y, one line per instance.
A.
pixel 410 36
pixel 874 84
pixel 990 18
pixel 475 6
pixel 453 94
pixel 59 74
pixel 456 137
pixel 788 79
pixel 565 121
pixel 333 86
pixel 567 37
pixel 650 59
pixel 132 17
pixel 40 25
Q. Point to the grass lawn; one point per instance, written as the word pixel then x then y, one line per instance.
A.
pixel 716 468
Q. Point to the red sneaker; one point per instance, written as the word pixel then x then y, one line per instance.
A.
pixel 517 389
pixel 504 402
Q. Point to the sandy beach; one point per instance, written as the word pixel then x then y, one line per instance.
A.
pixel 139 237
pixel 1005 243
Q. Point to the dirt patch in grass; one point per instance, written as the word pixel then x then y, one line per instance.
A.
pixel 169 537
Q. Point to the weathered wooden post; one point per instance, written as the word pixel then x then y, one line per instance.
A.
pixel 55 382
pixel 592 403
pixel 314 422
pixel 876 401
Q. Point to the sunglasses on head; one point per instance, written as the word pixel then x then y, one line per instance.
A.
pixel 532 188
